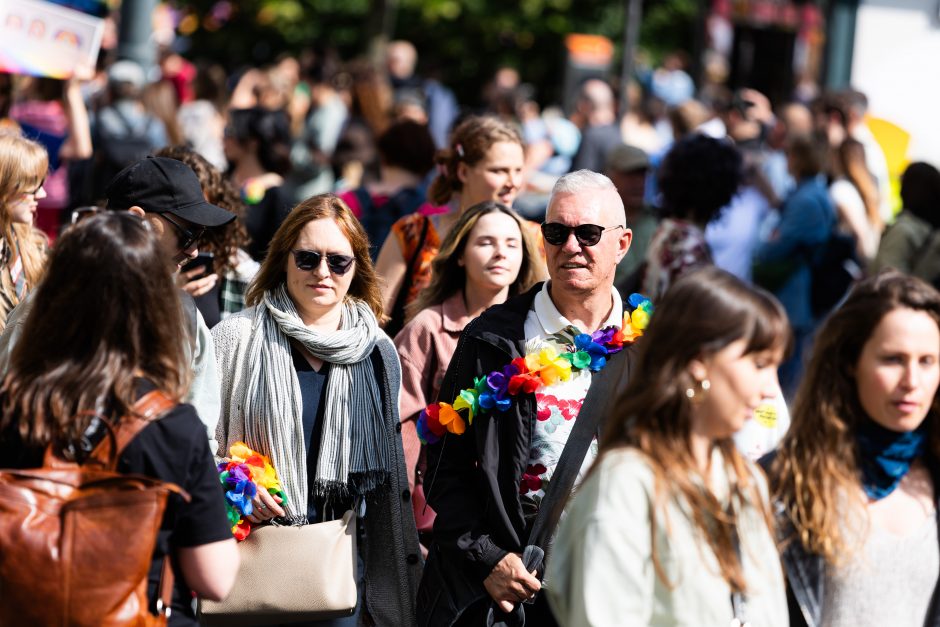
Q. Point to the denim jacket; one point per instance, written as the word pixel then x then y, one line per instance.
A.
pixel 805 572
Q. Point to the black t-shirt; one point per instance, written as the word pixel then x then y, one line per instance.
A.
pixel 174 448
pixel 263 218
pixel 210 305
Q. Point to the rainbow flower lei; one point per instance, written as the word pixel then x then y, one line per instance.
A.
pixel 561 356
pixel 241 474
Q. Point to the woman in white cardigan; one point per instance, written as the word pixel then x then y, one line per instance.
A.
pixel 671 527
pixel 309 380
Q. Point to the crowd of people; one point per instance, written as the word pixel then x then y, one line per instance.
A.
pixel 673 367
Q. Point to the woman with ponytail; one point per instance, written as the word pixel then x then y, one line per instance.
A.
pixel 484 162
pixel 855 477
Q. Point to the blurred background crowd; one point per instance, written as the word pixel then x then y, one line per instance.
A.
pixel 721 155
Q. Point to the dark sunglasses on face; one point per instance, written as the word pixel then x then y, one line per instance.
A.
pixel 185 238
pixel 557 234
pixel 307 260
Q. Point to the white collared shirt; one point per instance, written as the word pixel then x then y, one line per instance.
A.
pixel 559 404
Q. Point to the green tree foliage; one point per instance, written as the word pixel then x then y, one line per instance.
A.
pixel 462 42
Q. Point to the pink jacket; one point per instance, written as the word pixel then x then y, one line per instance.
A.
pixel 426 346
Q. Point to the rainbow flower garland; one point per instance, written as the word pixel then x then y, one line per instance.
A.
pixel 243 472
pixel 560 357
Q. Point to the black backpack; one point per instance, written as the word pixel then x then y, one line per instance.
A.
pixel 378 221
pixel 114 152
pixel 835 267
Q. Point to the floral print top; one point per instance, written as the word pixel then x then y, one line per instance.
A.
pixel 677 247
pixel 407 231
pixel 558 405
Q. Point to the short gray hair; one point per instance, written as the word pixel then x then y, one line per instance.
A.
pixel 583 180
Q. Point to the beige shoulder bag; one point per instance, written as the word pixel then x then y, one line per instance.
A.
pixel 291 574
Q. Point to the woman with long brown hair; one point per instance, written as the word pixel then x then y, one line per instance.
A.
pixel 855 195
pixel 484 161
pixel 486 258
pixel 309 380
pixel 855 477
pixel 672 526
pixel 77 357
pixel 23 168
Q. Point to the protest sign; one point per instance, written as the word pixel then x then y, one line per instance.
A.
pixel 43 39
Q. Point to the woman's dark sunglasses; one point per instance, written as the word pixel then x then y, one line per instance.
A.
pixel 557 234
pixel 184 237
pixel 307 260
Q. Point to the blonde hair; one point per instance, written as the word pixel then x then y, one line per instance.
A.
pixel 23 167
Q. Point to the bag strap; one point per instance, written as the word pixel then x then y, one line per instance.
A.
pixel 124 121
pixel 738 601
pixel 596 406
pixel 398 309
pixel 149 407
pixel 167 579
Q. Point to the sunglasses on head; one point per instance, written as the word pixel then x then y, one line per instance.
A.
pixel 185 238
pixel 307 260
pixel 557 234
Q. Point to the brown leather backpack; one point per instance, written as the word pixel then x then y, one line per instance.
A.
pixel 76 542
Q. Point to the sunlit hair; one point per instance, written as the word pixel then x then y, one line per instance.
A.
pixel 702 313
pixel 23 167
pixel 849 161
pixel 469 143
pixel 447 275
pixel 224 240
pixel 816 470
pixel 273 272
pixel 76 355
pixel 160 100
pixel 584 180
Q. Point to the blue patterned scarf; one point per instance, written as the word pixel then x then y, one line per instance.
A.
pixel 887 455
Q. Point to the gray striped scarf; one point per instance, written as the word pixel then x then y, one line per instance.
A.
pixel 353 456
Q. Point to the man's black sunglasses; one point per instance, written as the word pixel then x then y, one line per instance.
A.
pixel 307 260
pixel 184 237
pixel 557 234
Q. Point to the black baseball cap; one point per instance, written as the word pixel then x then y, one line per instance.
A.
pixel 163 185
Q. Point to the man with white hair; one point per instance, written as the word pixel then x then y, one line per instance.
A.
pixel 491 484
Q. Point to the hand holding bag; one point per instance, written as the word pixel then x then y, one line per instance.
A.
pixel 291 574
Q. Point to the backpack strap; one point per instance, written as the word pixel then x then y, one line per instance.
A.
pixel 149 407
pixel 397 318
pixel 165 600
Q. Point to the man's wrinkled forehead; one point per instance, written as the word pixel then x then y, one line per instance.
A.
pixel 586 206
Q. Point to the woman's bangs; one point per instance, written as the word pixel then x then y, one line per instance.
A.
pixel 768 329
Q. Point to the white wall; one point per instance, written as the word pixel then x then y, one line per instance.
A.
pixel 896 63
